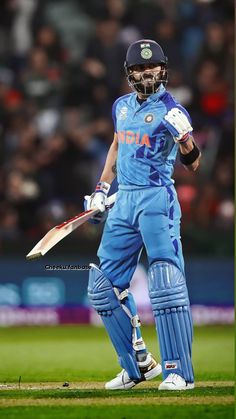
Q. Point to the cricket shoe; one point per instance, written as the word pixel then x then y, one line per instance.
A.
pixel 149 369
pixel 175 382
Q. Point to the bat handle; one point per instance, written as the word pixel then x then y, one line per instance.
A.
pixel 111 200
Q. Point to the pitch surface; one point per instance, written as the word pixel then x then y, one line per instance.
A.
pixel 37 361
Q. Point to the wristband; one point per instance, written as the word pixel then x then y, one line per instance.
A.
pixel 102 187
pixel 190 158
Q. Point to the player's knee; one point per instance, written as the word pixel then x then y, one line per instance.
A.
pixel 100 292
pixel 167 286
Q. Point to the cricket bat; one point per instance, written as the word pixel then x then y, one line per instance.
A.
pixel 57 233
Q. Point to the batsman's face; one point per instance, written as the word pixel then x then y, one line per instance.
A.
pixel 147 74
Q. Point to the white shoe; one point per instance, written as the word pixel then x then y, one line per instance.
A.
pixel 175 382
pixel 148 368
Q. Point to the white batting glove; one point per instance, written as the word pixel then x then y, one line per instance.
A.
pixel 99 197
pixel 178 125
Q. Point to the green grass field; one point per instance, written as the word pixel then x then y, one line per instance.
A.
pixel 35 362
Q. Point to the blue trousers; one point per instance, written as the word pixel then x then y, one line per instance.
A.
pixel 141 217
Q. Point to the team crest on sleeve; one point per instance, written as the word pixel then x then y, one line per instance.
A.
pixel 149 118
pixel 122 113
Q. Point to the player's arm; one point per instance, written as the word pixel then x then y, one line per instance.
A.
pixel 179 126
pixel 190 154
pixel 99 197
pixel 109 171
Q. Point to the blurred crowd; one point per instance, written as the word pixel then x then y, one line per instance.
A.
pixel 61 68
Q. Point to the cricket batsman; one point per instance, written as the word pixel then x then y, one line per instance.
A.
pixel 150 128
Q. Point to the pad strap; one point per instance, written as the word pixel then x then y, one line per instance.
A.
pixel 128 305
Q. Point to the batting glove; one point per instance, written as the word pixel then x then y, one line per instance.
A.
pixel 98 199
pixel 178 125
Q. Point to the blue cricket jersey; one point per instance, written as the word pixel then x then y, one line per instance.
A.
pixel 146 151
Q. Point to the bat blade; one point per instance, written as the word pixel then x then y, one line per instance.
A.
pixel 56 234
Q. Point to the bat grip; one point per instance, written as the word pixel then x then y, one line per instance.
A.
pixel 111 199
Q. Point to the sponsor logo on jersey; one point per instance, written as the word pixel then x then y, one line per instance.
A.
pixel 123 113
pixel 149 118
pixel 131 137
pixel 170 366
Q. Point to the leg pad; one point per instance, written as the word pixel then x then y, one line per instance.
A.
pixel 170 303
pixel 117 323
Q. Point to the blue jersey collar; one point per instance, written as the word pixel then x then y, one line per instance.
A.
pixel 153 98
pixel 156 96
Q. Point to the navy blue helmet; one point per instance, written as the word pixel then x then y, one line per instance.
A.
pixel 146 66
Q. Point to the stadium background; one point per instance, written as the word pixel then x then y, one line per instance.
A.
pixel 61 68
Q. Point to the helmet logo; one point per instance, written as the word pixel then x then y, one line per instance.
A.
pixel 146 53
pixel 145 45
pixel 149 118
